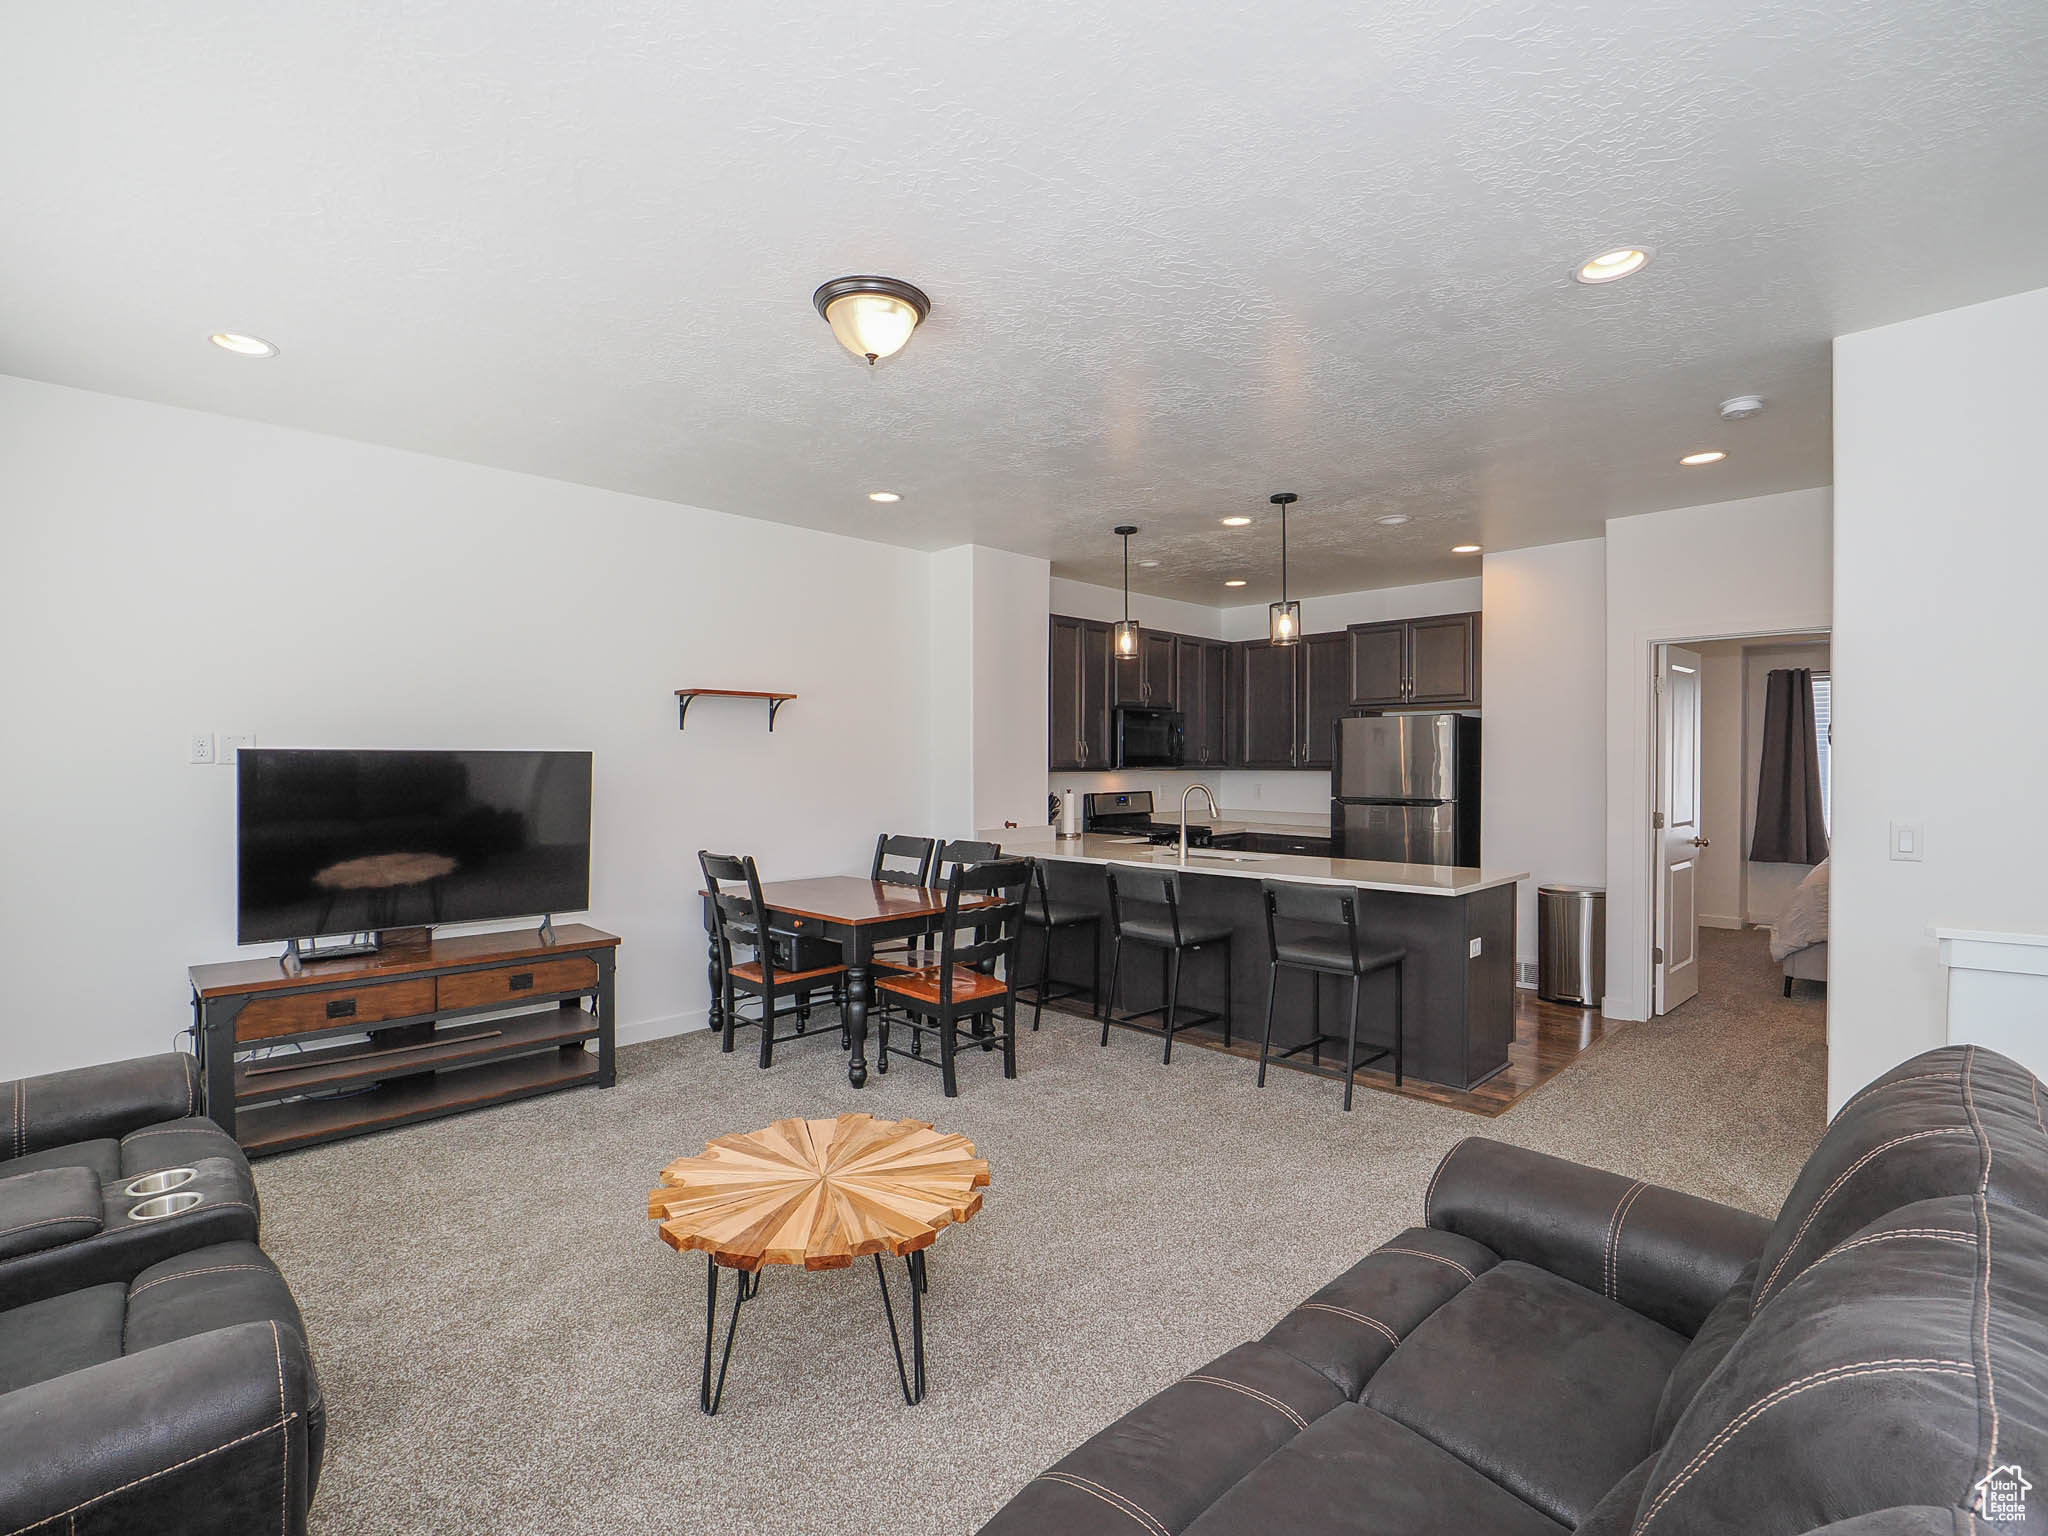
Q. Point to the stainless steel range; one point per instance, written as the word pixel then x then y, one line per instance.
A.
pixel 1128 812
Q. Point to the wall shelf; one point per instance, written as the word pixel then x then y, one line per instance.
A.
pixel 684 696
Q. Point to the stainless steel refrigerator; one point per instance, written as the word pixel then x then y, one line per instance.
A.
pixel 1406 789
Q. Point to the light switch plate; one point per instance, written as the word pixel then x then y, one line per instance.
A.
pixel 232 742
pixel 1476 947
pixel 1909 841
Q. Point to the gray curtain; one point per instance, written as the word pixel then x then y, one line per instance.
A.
pixel 1790 825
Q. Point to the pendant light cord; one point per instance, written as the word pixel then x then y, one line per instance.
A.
pixel 1283 554
pixel 1127 578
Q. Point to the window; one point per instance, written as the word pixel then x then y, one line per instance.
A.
pixel 1824 730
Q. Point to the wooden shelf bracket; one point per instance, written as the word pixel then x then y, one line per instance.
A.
pixel 684 697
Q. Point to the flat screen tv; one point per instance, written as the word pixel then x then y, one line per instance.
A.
pixel 345 842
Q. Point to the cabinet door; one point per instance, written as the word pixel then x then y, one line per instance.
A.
pixel 1064 722
pixel 1268 698
pixel 1127 673
pixel 1095 684
pixel 1379 664
pixel 1443 659
pixel 1157 653
pixel 1215 696
pixel 1325 669
pixel 1187 693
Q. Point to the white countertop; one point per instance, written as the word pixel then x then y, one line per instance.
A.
pixel 1361 874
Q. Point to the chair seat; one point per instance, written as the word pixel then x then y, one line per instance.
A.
pixel 1062 914
pixel 750 971
pixel 1333 953
pixel 1147 931
pixel 922 985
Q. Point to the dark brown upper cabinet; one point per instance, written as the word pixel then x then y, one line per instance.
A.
pixel 1079 693
pixel 1202 695
pixel 1325 669
pixel 1267 680
pixel 1148 678
pixel 1408 662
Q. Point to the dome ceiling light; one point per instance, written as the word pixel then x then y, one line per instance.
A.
pixel 872 316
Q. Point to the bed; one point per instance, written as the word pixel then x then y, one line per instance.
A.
pixel 1799 938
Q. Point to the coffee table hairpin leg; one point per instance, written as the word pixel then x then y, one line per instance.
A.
pixel 708 1397
pixel 912 1380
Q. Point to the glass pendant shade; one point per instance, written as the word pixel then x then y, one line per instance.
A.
pixel 1283 625
pixel 1125 638
pixel 873 317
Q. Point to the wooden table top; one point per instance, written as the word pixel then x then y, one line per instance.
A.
pixel 267 975
pixel 820 1193
pixel 857 902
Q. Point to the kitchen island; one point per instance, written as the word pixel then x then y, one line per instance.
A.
pixel 1456 924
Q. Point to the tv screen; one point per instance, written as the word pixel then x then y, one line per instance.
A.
pixel 351 842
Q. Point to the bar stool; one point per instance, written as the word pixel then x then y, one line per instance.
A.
pixel 1048 919
pixel 1335 950
pixel 1144 908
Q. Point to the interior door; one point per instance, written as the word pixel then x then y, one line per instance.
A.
pixel 1677 827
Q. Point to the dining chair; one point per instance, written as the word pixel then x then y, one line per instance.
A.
pixel 975 975
pixel 1049 919
pixel 903 860
pixel 739 919
pixel 948 857
pixel 1324 940
pixel 1144 909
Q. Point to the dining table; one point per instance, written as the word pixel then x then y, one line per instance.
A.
pixel 858 915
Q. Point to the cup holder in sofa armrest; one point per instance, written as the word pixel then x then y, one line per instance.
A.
pixel 162 1182
pixel 157 1207
pixel 47 1208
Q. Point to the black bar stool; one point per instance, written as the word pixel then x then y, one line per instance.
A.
pixel 1144 908
pixel 1048 919
pixel 1325 942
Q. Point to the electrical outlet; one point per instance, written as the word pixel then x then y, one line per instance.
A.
pixel 199 747
pixel 232 742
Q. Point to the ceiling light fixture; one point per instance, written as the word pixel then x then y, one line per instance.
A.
pixel 1710 456
pixel 1125 636
pixel 872 316
pixel 1742 407
pixel 1612 266
pixel 1235 581
pixel 1392 519
pixel 1146 565
pixel 883 496
pixel 1464 549
pixel 242 346
pixel 1236 522
pixel 1283 619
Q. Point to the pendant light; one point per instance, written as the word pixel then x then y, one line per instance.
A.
pixel 1124 638
pixel 1283 623
pixel 872 316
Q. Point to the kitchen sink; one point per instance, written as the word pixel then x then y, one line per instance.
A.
pixel 1222 855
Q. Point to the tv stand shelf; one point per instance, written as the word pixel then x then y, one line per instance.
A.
pixel 452 1025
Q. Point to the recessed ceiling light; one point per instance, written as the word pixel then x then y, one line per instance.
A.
pixel 1236 522
pixel 1148 564
pixel 1234 583
pixel 1612 266
pixel 1710 456
pixel 1464 549
pixel 242 346
pixel 883 496
pixel 1392 519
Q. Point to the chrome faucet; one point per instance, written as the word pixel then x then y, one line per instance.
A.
pixel 1213 812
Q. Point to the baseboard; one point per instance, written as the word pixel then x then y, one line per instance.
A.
pixel 1720 922
pixel 660 1029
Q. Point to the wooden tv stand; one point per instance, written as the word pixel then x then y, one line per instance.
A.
pixel 454 1024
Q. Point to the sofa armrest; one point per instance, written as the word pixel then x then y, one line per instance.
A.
pixel 87 1103
pixel 204 1436
pixel 47 1209
pixel 1667 1255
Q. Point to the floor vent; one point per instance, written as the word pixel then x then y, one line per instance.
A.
pixel 1525 973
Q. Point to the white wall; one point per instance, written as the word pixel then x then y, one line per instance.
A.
pixel 1082 600
pixel 1008 690
pixel 1543 767
pixel 1758 566
pixel 1940 631
pixel 1722 798
pixel 173 571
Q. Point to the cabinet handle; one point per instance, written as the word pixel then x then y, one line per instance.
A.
pixel 342 1008
pixel 523 982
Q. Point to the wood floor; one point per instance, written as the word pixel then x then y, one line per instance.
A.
pixel 1548 1038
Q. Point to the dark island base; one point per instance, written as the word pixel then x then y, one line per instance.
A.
pixel 1460 1010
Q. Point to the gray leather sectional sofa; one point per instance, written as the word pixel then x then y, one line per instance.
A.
pixel 1559 1349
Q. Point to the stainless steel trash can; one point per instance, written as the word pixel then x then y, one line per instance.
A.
pixel 1571 944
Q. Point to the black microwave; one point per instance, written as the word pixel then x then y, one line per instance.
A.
pixel 1149 738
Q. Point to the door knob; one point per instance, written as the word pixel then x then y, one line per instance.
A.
pixel 1700 842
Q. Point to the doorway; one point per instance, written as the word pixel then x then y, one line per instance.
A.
pixel 1713 709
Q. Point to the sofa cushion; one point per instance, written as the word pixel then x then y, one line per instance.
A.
pixel 1173 1455
pixel 1535 1382
pixel 102 1157
pixel 1708 1348
pixel 60 1334
pixel 1347 1329
pixel 48 1206
pixel 1898 1368
pixel 1949 1122
pixel 1355 1472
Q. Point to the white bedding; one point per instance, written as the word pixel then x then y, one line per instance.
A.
pixel 1805 918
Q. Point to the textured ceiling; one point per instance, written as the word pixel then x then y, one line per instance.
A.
pixel 1179 256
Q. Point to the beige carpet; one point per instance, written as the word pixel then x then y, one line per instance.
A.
pixel 507 1348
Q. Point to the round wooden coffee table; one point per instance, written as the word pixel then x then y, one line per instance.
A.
pixel 819 1193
